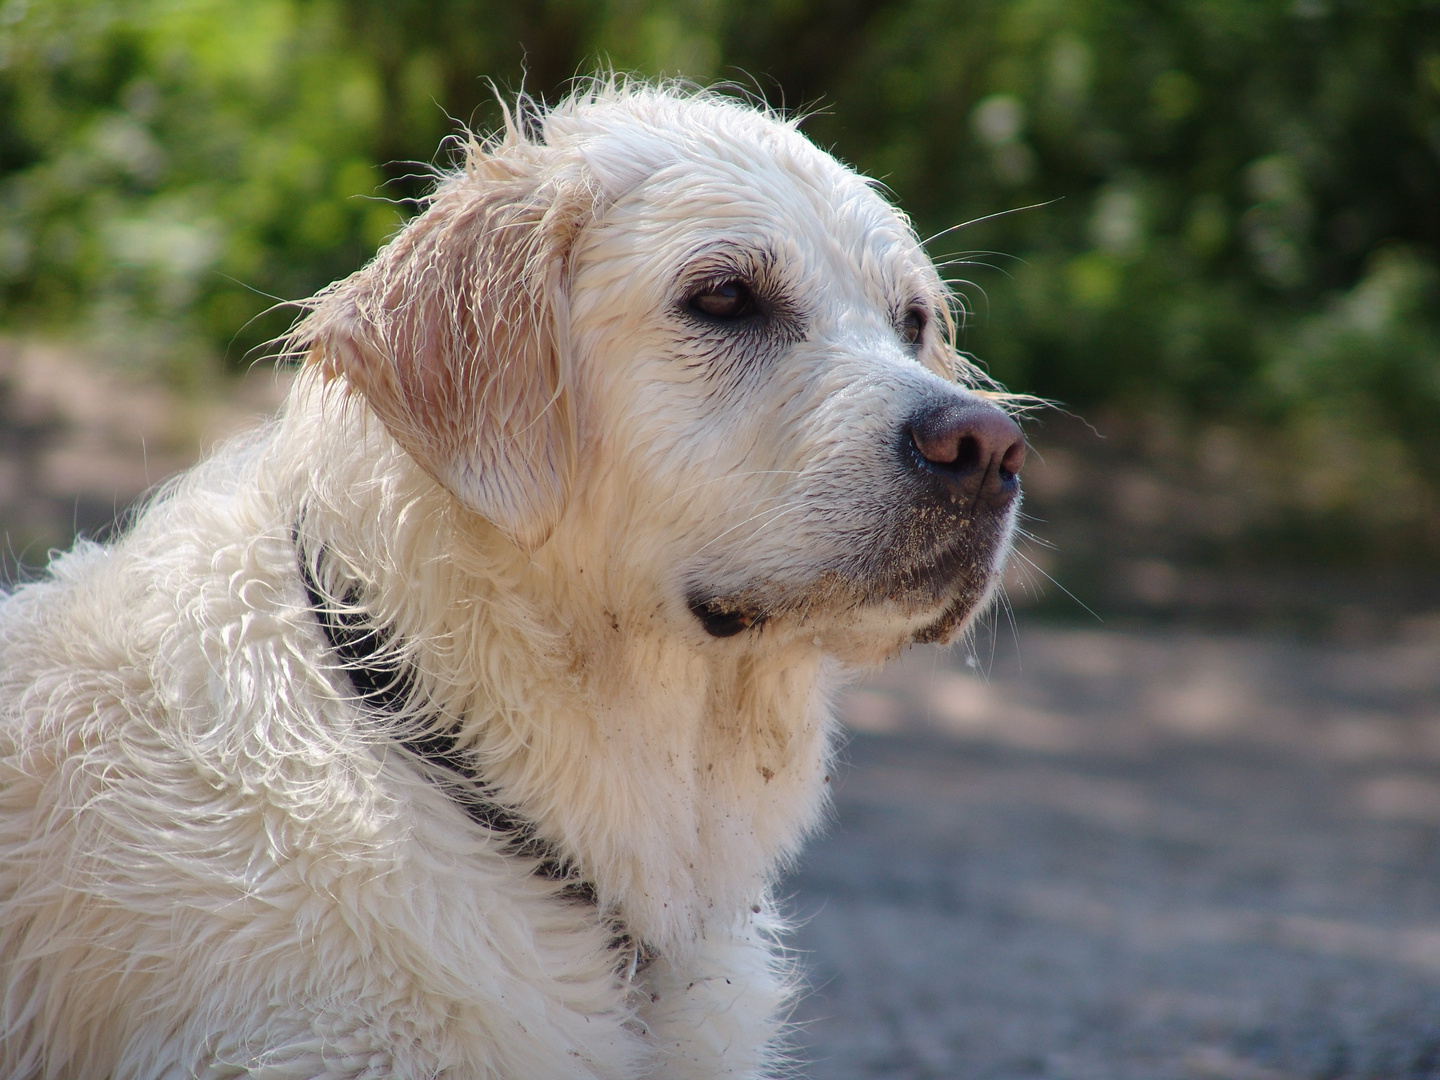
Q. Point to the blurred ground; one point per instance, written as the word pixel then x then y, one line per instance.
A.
pixel 1192 523
pixel 1133 855
pixel 1121 851
pixel 80 442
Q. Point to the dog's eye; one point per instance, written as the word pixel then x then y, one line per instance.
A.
pixel 732 300
pixel 912 326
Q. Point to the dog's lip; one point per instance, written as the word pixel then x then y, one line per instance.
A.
pixel 939 630
pixel 945 585
pixel 722 617
pixel 934 567
pixel 944 556
pixel 936 575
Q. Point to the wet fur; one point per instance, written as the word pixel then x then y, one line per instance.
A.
pixel 512 449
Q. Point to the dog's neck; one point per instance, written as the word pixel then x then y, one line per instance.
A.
pixel 680 785
pixel 677 773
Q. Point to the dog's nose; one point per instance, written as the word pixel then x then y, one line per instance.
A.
pixel 974 449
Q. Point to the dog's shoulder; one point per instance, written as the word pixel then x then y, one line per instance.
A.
pixel 212 798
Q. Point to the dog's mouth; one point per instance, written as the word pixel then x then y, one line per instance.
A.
pixel 723 616
pixel 933 587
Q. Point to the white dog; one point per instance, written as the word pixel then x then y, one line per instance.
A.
pixel 458 723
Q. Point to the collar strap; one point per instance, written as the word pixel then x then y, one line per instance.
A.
pixel 384 686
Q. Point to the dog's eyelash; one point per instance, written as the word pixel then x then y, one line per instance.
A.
pixel 912 324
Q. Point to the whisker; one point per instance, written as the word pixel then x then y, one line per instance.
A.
pixel 987 217
pixel 769 521
pixel 1003 595
pixel 1089 610
pixel 956 257
pixel 741 525
pixel 1038 541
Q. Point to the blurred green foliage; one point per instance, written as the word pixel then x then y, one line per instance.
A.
pixel 164 164
pixel 1239 199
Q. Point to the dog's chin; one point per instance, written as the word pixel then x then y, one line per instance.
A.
pixel 955 618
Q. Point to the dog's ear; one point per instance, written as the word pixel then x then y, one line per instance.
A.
pixel 455 335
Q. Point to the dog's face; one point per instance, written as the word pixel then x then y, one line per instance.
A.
pixel 747 417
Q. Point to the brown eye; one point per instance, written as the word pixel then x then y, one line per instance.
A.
pixel 732 300
pixel 912 326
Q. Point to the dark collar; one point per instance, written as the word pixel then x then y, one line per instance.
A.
pixel 384 687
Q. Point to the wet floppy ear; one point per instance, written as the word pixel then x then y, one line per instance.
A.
pixel 455 335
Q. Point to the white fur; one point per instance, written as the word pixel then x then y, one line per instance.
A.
pixel 511 444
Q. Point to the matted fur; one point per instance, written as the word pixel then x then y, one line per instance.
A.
pixel 515 449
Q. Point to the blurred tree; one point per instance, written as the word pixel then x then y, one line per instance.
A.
pixel 165 164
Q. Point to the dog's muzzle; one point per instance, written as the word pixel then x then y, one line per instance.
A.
pixel 956 465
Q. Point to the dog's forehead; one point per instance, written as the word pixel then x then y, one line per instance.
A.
pixel 719 170
pixel 626 138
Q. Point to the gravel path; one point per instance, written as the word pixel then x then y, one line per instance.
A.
pixel 1148 855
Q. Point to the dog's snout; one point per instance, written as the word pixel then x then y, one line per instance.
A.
pixel 973 448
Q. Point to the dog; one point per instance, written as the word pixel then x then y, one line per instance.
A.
pixel 459 722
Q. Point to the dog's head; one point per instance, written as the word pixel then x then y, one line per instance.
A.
pixel 661 338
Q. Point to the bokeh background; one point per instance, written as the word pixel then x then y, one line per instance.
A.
pixel 1205 725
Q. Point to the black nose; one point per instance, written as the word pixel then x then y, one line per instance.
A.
pixel 974 450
